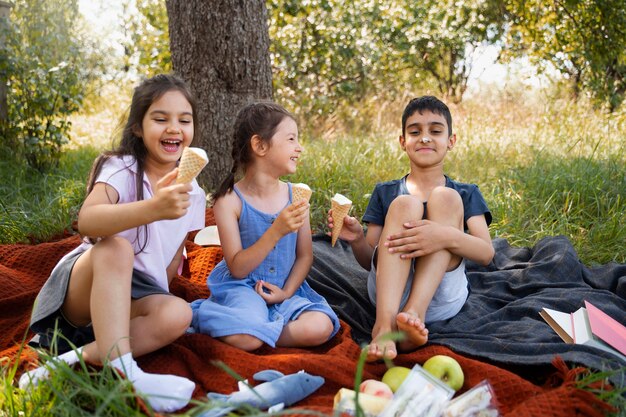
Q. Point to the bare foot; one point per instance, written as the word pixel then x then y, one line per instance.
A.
pixel 414 329
pixel 380 348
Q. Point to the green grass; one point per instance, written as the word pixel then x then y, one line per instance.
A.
pixel 85 390
pixel 35 206
pixel 552 170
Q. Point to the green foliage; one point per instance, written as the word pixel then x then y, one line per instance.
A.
pixel 598 383
pixel 438 38
pixel 36 206
pixel 147 38
pixel 70 391
pixel 46 65
pixel 330 55
pixel 584 40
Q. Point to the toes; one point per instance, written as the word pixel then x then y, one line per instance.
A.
pixel 376 353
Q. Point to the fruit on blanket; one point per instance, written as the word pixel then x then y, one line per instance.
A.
pixel 446 369
pixel 395 376
pixel 376 388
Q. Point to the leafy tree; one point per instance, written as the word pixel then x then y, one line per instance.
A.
pixel 46 64
pixel 329 52
pixel 585 40
pixel 441 36
pixel 147 37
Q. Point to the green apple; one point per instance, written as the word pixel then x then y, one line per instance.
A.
pixel 446 369
pixel 395 376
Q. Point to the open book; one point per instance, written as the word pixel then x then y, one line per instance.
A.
pixel 588 326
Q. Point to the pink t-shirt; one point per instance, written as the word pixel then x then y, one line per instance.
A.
pixel 164 237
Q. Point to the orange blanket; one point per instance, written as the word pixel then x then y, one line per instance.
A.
pixel 24 269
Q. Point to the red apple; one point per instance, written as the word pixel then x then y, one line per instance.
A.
pixel 376 388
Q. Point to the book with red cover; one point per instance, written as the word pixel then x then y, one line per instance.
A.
pixel 606 327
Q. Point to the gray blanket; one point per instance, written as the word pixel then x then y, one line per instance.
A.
pixel 500 321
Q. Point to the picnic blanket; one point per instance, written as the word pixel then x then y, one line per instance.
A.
pixel 500 322
pixel 495 337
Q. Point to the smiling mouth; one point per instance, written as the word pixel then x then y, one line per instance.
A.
pixel 171 145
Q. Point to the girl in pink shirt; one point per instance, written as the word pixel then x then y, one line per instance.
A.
pixel 110 295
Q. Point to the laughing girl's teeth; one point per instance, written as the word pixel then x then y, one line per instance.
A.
pixel 170 145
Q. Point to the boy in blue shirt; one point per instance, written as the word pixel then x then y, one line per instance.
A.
pixel 421 228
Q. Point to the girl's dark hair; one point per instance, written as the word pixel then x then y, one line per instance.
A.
pixel 259 118
pixel 144 95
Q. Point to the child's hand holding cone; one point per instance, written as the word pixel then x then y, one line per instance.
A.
pixel 340 206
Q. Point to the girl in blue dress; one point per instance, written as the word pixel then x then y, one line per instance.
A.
pixel 258 291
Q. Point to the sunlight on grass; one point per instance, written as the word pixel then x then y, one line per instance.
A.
pixel 39 206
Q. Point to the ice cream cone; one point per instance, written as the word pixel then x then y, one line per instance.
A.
pixel 191 163
pixel 340 206
pixel 300 192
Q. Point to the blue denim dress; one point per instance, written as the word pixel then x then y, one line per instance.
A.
pixel 234 307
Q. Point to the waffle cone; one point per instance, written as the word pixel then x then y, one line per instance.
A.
pixel 300 193
pixel 340 211
pixel 191 163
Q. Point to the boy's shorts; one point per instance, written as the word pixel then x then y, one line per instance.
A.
pixel 47 314
pixel 448 299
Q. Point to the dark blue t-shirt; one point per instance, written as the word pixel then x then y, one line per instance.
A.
pixel 385 192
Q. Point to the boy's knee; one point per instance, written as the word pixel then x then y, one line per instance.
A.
pixel 404 205
pixel 445 198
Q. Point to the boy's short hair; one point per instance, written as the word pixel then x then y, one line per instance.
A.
pixel 430 103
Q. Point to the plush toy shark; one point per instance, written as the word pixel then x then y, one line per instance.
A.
pixel 277 392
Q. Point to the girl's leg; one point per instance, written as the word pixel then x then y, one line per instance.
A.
pixel 104 271
pixel 391 277
pixel 249 308
pixel 445 207
pixel 120 325
pixel 156 321
pixel 243 341
pixel 311 328
pixel 99 291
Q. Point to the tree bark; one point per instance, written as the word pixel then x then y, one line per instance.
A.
pixel 221 48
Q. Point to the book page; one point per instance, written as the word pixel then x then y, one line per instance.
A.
pixel 560 322
pixel 580 325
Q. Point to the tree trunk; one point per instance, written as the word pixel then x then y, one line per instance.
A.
pixel 221 48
